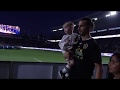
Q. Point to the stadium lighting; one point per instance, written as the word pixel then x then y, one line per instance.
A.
pixel 113 13
pixel 74 25
pixel 60 29
pixel 114 28
pixel 95 19
pixel 102 30
pixel 93 32
pixel 108 15
pixel 96 37
pixel 54 30
pixel 107 36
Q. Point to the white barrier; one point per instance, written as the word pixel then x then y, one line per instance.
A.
pixel 49 49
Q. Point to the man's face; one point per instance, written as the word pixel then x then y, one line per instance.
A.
pixel 83 28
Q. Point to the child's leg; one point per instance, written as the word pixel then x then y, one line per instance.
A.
pixel 67 68
pixel 70 64
pixel 64 73
pixel 69 58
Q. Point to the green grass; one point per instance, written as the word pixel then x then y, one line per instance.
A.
pixel 28 55
pixel 105 59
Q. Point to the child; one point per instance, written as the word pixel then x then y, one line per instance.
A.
pixel 114 66
pixel 66 43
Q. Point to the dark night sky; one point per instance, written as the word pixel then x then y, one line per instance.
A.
pixel 36 22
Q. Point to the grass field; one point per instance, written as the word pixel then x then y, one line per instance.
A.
pixel 30 55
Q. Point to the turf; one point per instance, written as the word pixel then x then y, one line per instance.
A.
pixel 30 55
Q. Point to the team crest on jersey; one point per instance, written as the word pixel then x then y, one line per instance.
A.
pixel 78 53
pixel 85 46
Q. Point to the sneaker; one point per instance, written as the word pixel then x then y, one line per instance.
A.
pixel 67 75
pixel 61 74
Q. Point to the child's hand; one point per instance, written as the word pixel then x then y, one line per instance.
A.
pixel 70 62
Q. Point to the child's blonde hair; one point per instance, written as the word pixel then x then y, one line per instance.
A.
pixel 69 23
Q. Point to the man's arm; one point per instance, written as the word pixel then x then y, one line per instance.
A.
pixel 98 71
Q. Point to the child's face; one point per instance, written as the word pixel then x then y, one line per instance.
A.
pixel 68 29
pixel 114 65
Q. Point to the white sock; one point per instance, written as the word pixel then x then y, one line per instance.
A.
pixel 68 66
pixel 66 69
pixel 67 74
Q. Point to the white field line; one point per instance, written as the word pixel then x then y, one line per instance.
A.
pixel 37 59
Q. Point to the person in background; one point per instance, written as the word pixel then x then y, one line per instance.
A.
pixel 114 66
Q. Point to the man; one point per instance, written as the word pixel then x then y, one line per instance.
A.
pixel 87 55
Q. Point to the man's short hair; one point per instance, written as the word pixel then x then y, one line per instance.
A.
pixel 69 23
pixel 89 21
